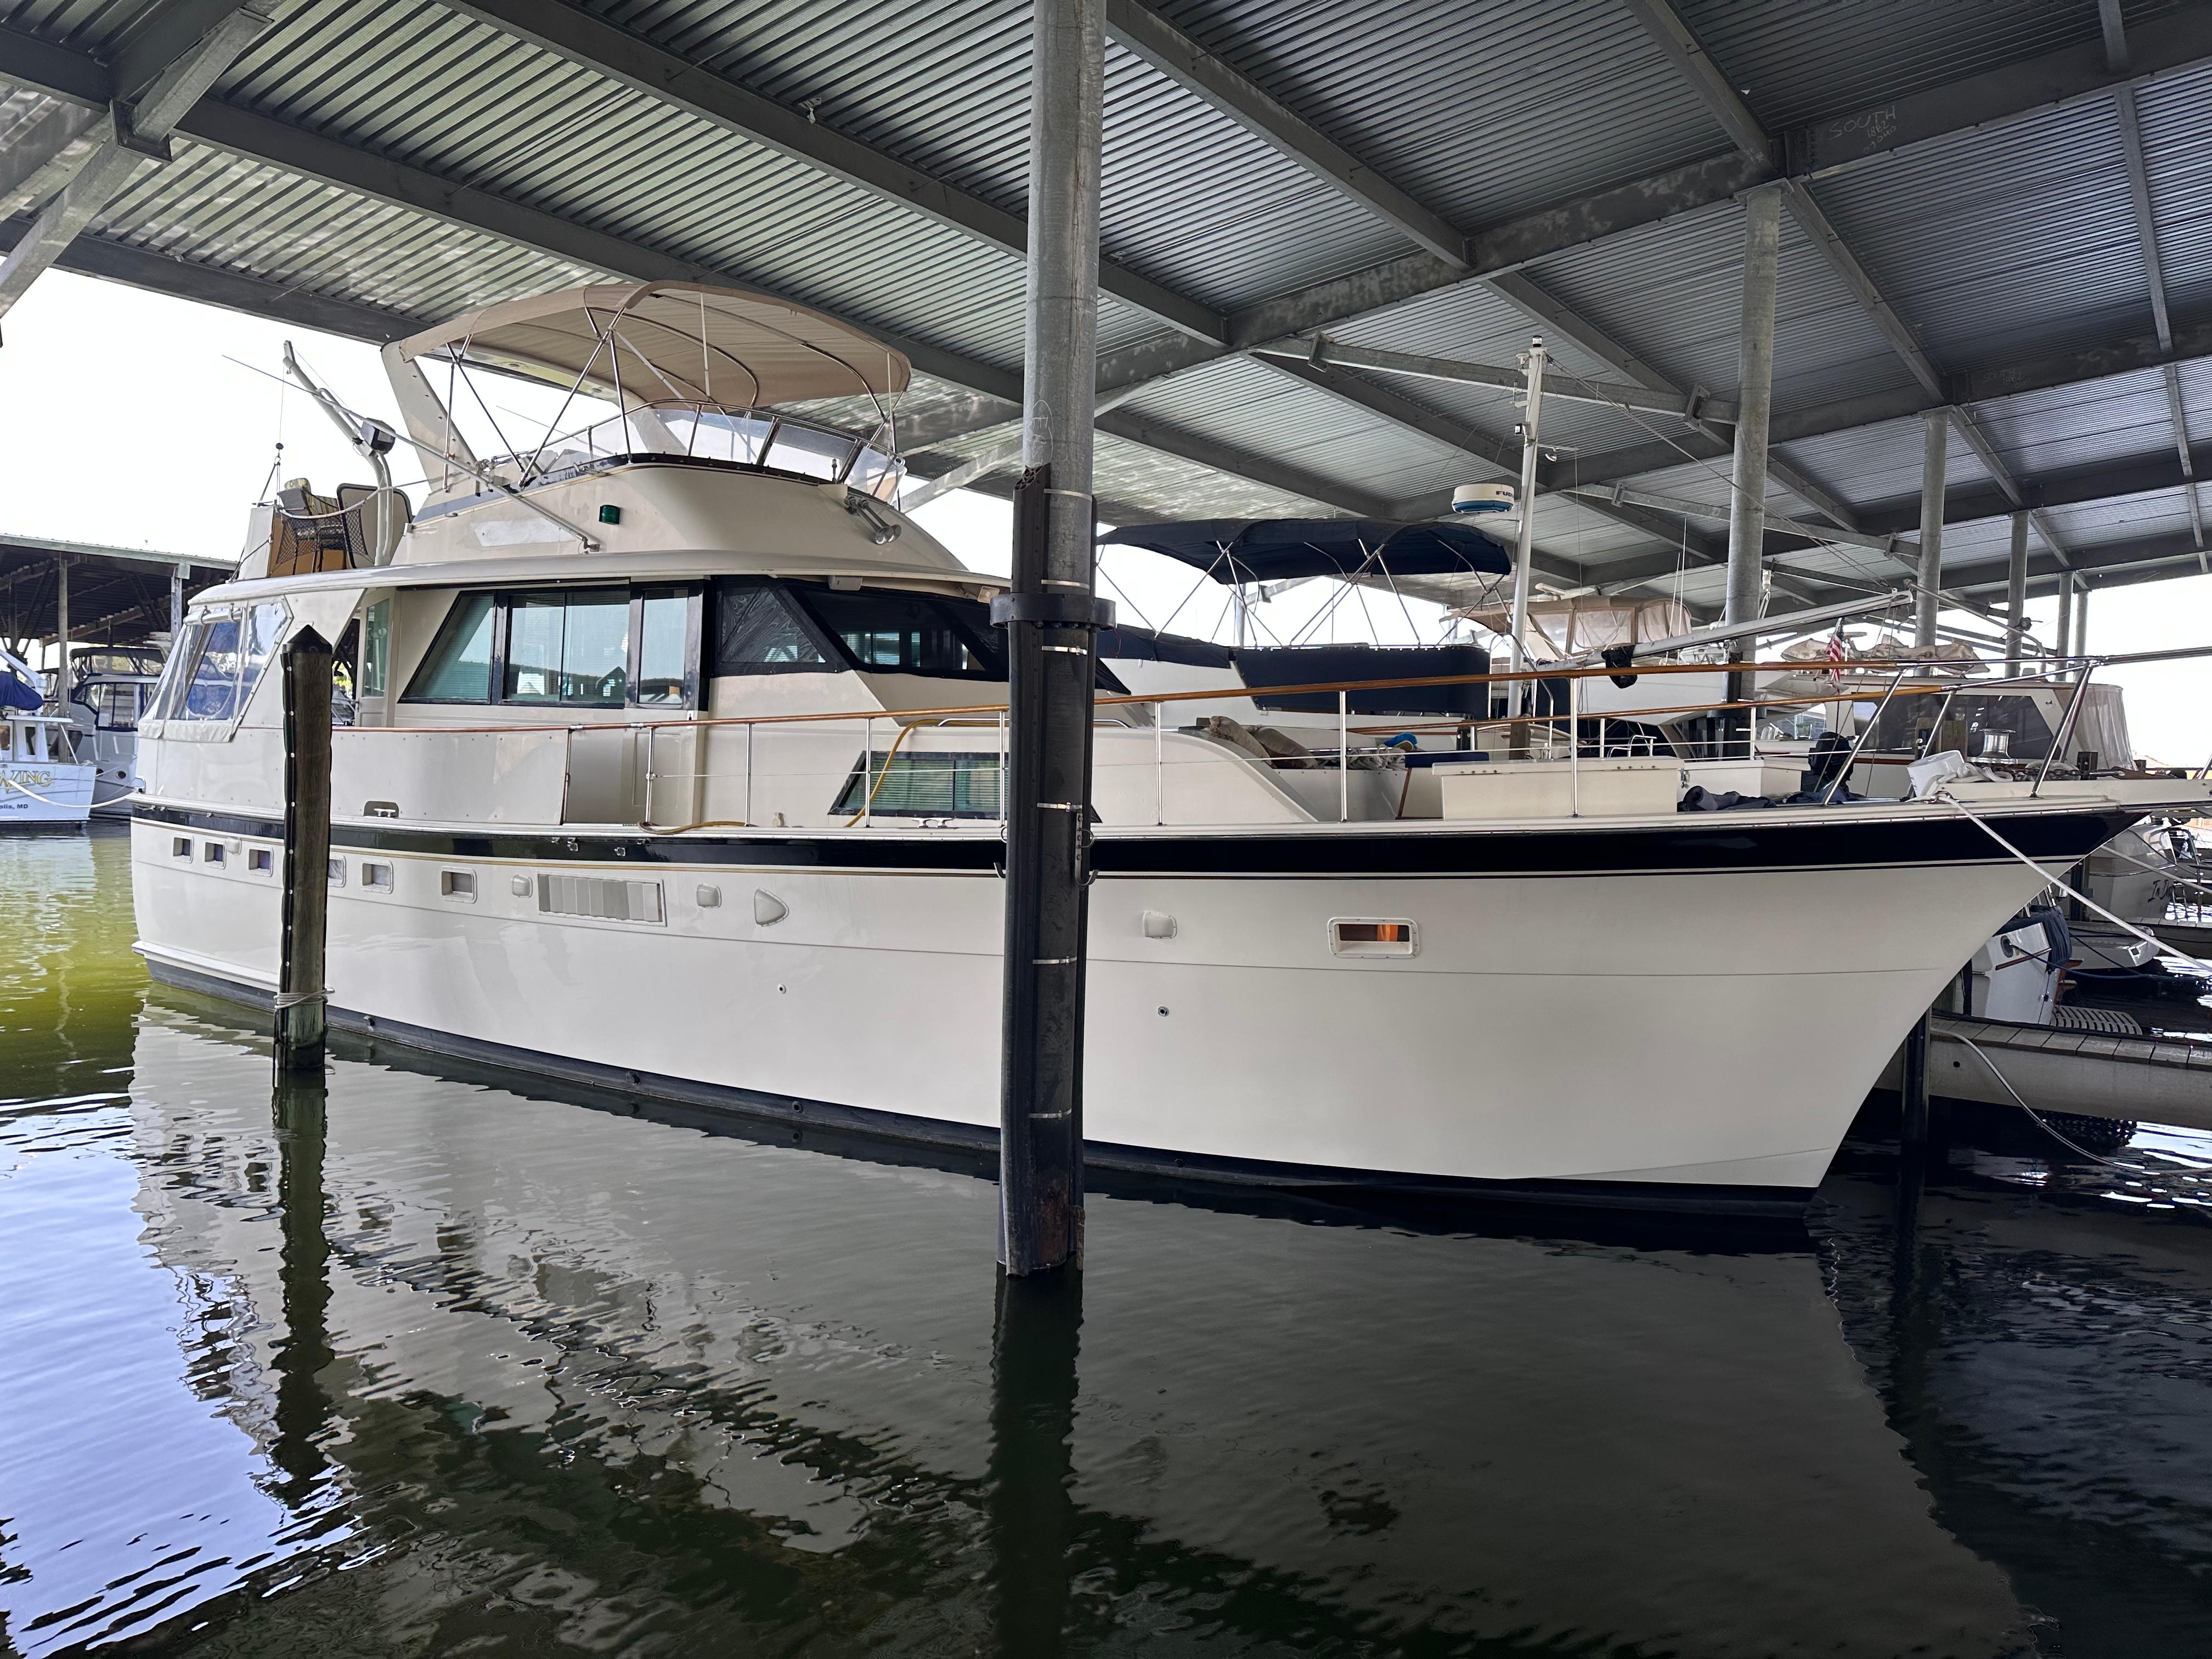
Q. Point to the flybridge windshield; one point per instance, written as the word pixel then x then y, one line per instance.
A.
pixel 766 439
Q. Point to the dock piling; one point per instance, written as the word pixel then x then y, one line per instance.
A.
pixel 1051 616
pixel 1913 1104
pixel 298 1027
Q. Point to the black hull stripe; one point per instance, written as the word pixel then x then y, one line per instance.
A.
pixel 1738 841
pixel 853 1131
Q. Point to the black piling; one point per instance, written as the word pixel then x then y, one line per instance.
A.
pixel 1912 1101
pixel 1051 646
pixel 299 1028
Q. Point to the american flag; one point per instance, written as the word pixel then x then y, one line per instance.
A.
pixel 1837 657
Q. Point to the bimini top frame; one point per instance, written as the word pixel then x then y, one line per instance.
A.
pixel 685 342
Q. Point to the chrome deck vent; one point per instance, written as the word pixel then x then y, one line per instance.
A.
pixel 606 898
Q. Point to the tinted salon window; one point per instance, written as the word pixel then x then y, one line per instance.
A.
pixel 910 633
pixel 758 630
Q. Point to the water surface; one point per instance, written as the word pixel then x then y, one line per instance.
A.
pixel 433 1362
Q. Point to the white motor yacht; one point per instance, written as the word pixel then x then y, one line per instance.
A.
pixel 110 687
pixel 675 767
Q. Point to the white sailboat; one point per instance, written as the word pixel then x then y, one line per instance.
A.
pixel 676 768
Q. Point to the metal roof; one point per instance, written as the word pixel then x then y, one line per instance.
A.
pixel 118 595
pixel 1998 207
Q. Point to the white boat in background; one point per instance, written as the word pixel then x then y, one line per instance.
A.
pixel 43 783
pixel 111 687
pixel 676 768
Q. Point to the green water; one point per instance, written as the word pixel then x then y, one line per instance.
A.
pixel 436 1364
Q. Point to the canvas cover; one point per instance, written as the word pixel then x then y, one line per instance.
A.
pixel 671 342
pixel 1587 622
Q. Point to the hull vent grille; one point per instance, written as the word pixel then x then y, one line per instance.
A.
pixel 604 898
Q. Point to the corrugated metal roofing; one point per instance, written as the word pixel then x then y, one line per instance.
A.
pixel 2014 241
pixel 1826 59
pixel 1482 109
pixel 2006 242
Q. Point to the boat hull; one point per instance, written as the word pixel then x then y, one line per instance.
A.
pixel 1685 1016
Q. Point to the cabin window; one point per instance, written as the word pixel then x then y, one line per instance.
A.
pixel 758 630
pixel 923 786
pixel 910 633
pixel 337 872
pixel 376 877
pixel 212 674
pixel 458 885
pixel 113 703
pixel 261 860
pixel 211 852
pixel 600 648
pixel 666 630
pixel 459 666
pixel 375 647
pixel 570 648
pixel 180 846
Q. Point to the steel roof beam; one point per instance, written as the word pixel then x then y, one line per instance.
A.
pixel 631 61
pixel 177 52
pixel 1499 456
pixel 42 156
pixel 2073 366
pixel 1694 509
pixel 1673 37
pixel 2107 481
pixel 2098 566
pixel 2131 146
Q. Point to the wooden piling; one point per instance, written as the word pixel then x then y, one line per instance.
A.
pixel 299 989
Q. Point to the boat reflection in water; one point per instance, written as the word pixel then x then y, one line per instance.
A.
pixel 419 1363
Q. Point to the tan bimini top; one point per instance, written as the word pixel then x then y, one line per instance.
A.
pixel 671 342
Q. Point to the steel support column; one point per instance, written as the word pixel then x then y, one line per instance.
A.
pixel 1050 617
pixel 2064 645
pixel 1762 232
pixel 1933 459
pixel 176 603
pixel 2016 593
pixel 61 631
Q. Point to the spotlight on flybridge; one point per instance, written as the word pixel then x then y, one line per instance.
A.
pixel 1489 498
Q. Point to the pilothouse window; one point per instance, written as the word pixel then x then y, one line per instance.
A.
pixel 212 674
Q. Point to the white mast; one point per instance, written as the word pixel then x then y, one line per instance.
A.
pixel 1524 543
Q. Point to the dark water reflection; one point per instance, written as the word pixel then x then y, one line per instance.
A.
pixel 421 1365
